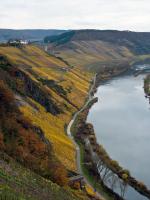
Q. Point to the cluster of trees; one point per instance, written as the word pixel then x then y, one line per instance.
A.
pixel 147 85
pixel 84 133
pixel 20 140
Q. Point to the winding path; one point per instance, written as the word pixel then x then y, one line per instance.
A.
pixel 78 156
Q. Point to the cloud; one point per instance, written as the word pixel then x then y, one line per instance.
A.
pixel 100 14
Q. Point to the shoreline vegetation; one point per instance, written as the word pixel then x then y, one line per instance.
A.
pixel 147 86
pixel 97 166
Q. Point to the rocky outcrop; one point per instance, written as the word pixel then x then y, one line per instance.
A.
pixel 32 89
pixel 25 85
pixel 41 135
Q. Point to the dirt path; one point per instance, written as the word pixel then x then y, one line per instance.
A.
pixel 78 154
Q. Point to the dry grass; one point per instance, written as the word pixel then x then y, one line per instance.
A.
pixel 92 54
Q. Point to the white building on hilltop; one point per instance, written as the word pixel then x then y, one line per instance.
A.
pixel 17 42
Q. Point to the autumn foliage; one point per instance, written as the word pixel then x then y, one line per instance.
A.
pixel 19 139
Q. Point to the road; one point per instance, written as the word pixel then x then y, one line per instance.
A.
pixel 78 154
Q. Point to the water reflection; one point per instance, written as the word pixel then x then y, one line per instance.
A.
pixel 121 120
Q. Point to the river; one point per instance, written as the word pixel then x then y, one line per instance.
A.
pixel 121 120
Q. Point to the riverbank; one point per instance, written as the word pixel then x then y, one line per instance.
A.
pixel 87 165
pixel 70 133
pixel 100 160
pixel 147 86
pixel 88 142
pixel 107 193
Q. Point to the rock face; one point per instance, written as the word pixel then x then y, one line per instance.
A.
pixel 33 90
pixel 24 84
pixel 40 133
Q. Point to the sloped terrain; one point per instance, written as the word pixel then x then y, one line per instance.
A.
pixel 95 49
pixel 38 95
pixel 93 55
pixel 49 93
pixel 19 183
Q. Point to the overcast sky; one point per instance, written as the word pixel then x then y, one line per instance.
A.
pixel 76 14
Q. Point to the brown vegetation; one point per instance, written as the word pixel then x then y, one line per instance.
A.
pixel 147 85
pixel 19 140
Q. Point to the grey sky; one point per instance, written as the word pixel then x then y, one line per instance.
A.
pixel 75 14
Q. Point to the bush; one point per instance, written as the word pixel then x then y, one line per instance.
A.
pixel 6 99
pixel 2 145
pixel 21 140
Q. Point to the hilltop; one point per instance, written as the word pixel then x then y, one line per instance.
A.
pixel 139 42
pixel 95 49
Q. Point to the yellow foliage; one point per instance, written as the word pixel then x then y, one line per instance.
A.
pixel 89 190
pixel 125 177
pixel 39 65
pixel 53 127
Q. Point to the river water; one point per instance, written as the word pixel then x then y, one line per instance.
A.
pixel 121 120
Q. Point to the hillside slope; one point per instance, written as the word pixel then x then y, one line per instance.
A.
pixel 19 183
pixel 48 92
pixel 39 94
pixel 94 49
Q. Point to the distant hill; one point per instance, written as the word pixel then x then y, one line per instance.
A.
pixel 139 42
pixel 96 48
pixel 29 34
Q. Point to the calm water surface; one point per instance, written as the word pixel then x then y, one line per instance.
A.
pixel 121 121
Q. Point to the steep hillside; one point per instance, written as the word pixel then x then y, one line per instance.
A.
pixel 39 94
pixel 94 49
pixel 48 93
pixel 19 183
pixel 27 34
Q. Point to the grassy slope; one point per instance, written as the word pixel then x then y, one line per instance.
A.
pixel 93 54
pixel 95 50
pixel 39 65
pixel 18 183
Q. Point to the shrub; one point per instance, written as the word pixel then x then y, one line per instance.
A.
pixel 2 145
pixel 21 140
pixel 58 174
